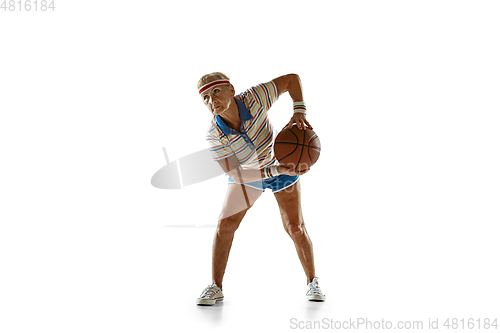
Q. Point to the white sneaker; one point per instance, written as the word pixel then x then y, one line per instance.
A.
pixel 314 292
pixel 210 295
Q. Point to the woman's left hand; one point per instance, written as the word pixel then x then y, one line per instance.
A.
pixel 300 120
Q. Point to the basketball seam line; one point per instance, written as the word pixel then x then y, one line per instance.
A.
pixel 309 151
pixel 300 144
pixel 301 151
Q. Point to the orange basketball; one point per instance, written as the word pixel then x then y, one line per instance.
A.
pixel 297 149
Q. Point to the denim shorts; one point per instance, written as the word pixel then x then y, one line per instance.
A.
pixel 275 184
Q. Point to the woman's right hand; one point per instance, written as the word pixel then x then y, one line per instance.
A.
pixel 283 170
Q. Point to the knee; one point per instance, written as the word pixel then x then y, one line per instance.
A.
pixel 295 230
pixel 227 225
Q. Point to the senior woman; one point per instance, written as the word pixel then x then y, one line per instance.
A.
pixel 241 141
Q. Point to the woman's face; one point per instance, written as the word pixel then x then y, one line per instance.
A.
pixel 218 98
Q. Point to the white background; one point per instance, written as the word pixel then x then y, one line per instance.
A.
pixel 402 206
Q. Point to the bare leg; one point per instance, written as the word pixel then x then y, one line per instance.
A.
pixel 238 200
pixel 293 222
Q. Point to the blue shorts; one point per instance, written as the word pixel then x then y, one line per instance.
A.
pixel 275 184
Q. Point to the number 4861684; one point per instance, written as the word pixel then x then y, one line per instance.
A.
pixel 27 5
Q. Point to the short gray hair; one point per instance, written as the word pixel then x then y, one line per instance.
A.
pixel 207 78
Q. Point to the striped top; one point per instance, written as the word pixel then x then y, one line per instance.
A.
pixel 253 144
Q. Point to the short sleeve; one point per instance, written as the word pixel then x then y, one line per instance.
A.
pixel 218 149
pixel 264 94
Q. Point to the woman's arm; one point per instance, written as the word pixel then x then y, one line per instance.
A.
pixel 292 84
pixel 232 167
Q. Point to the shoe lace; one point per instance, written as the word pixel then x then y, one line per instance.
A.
pixel 314 287
pixel 209 291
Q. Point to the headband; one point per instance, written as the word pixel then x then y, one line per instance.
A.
pixel 212 84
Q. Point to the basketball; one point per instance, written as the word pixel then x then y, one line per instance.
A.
pixel 297 149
